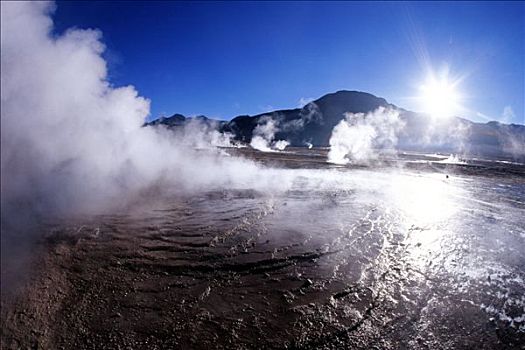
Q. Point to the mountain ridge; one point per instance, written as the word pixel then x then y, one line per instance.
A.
pixel 313 124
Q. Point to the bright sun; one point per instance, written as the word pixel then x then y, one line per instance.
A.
pixel 439 98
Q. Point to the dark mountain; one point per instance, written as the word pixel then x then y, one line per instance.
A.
pixel 462 136
pixel 179 120
pixel 174 120
pixel 314 123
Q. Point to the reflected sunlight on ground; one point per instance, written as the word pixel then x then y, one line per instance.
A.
pixel 427 204
pixel 425 201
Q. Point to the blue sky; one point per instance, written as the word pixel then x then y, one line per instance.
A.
pixel 223 59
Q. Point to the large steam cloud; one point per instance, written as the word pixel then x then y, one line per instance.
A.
pixel 73 143
pixel 360 137
pixel 200 134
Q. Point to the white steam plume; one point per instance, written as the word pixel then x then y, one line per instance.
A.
pixel 264 135
pixel 203 135
pixel 281 144
pixel 513 140
pixel 71 142
pixel 449 134
pixel 268 125
pixel 309 113
pixel 260 143
pixel 360 137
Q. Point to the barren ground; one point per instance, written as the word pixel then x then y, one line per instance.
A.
pixel 306 270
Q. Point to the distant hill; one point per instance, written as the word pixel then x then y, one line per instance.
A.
pixel 178 120
pixel 313 124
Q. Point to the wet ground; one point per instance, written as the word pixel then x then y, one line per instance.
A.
pixel 406 254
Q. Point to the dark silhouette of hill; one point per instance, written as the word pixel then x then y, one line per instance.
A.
pixel 313 124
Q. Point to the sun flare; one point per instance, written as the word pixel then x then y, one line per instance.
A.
pixel 439 97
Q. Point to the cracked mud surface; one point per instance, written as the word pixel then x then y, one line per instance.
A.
pixel 348 258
